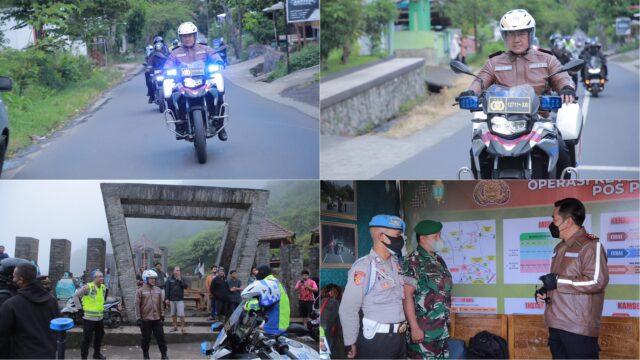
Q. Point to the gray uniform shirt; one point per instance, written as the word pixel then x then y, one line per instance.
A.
pixel 382 302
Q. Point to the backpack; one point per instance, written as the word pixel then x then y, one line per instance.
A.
pixel 485 345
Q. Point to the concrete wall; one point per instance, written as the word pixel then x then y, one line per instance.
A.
pixel 59 259
pixel 380 102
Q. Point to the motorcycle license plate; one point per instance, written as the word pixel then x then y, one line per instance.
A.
pixel 190 82
pixel 509 105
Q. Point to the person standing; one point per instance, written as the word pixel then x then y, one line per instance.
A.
pixel 212 301
pixel 174 297
pixel 149 300
pixel 330 320
pixel 8 288
pixel 221 293
pixel 90 298
pixel 3 255
pixel 375 287
pixel 252 276
pixel 306 295
pixel 235 287
pixel 25 318
pixel 162 276
pixel 575 286
pixel 427 294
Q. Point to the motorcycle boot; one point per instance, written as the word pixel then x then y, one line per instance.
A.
pixel 99 356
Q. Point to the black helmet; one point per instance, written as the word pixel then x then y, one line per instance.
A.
pixel 6 268
pixel 175 42
pixel 158 39
pixel 263 272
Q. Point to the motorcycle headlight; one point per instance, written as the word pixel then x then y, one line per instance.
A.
pixel 214 68
pixel 189 82
pixel 503 126
pixel 172 72
pixel 594 71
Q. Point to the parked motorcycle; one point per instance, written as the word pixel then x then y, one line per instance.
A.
pixel 112 313
pixel 592 76
pixel 199 88
pixel 314 324
pixel 241 338
pixel 509 139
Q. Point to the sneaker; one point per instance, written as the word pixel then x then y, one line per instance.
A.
pixel 222 135
pixel 164 356
pixel 99 356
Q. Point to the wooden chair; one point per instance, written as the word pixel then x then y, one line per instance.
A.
pixel 465 326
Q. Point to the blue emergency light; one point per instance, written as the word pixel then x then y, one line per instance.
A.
pixel 469 102
pixel 550 102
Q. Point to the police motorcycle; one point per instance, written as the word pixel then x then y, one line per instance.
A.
pixel 241 338
pixel 199 87
pixel 509 139
pixel 221 49
pixel 156 86
pixel 592 80
pixel 112 313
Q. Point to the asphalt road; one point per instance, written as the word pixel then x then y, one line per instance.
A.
pixel 610 147
pixel 126 138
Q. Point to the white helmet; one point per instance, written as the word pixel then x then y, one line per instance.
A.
pixel 267 292
pixel 187 28
pixel 149 274
pixel 515 20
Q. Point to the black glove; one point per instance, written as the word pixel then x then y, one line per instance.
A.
pixel 542 291
pixel 466 93
pixel 568 91
pixel 139 322
pixel 550 281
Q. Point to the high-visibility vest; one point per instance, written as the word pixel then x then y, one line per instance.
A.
pixel 93 303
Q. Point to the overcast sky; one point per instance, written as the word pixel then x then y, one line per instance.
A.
pixel 66 209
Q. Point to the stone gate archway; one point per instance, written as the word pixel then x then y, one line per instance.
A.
pixel 242 210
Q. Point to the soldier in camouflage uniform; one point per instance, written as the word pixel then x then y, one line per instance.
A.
pixel 427 299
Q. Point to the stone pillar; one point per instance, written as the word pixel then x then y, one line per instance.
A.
pixel 59 259
pixel 96 254
pixel 165 258
pixel 27 248
pixel 138 260
pixel 314 261
pixel 150 259
pixel 262 254
pixel 113 276
pixel 295 268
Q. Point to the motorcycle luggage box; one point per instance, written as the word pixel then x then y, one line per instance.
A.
pixel 569 121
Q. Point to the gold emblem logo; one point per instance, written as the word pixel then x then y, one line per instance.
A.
pixel 496 105
pixel 491 192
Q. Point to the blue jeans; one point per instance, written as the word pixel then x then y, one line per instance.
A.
pixel 214 313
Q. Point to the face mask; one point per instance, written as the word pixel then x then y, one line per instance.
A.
pixel 555 230
pixel 437 245
pixel 397 243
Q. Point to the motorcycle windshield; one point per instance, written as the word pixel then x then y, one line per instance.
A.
pixel 519 99
pixel 595 62
pixel 192 69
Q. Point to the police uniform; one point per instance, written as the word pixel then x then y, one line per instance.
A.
pixel 375 287
pixel 432 281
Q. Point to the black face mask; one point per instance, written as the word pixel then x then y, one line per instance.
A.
pixel 555 230
pixel 397 243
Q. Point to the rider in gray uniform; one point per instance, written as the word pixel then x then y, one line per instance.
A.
pixel 375 286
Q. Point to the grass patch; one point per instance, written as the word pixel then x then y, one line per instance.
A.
pixel 334 65
pixel 42 110
pixel 307 57
pixel 627 47
pixel 426 111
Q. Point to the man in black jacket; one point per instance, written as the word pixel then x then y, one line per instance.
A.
pixel 221 292
pixel 7 288
pixel 25 318
pixel 174 296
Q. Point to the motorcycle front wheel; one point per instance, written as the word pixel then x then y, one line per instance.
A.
pixel 200 139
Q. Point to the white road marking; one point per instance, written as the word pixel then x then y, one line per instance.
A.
pixel 609 168
pixel 341 259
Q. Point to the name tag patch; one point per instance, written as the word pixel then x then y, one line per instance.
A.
pixel 504 68
pixel 537 65
pixel 571 254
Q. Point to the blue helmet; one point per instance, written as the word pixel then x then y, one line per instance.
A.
pixel 266 291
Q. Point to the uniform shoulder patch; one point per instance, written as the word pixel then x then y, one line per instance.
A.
pixel 496 54
pixel 358 277
pixel 592 237
pixel 546 51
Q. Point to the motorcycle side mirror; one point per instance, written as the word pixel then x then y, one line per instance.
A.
pixel 297 329
pixel 460 68
pixel 573 65
pixel 216 325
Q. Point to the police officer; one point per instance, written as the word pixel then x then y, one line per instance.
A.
pixel 375 286
pixel 92 296
pixel 427 294
pixel 523 65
